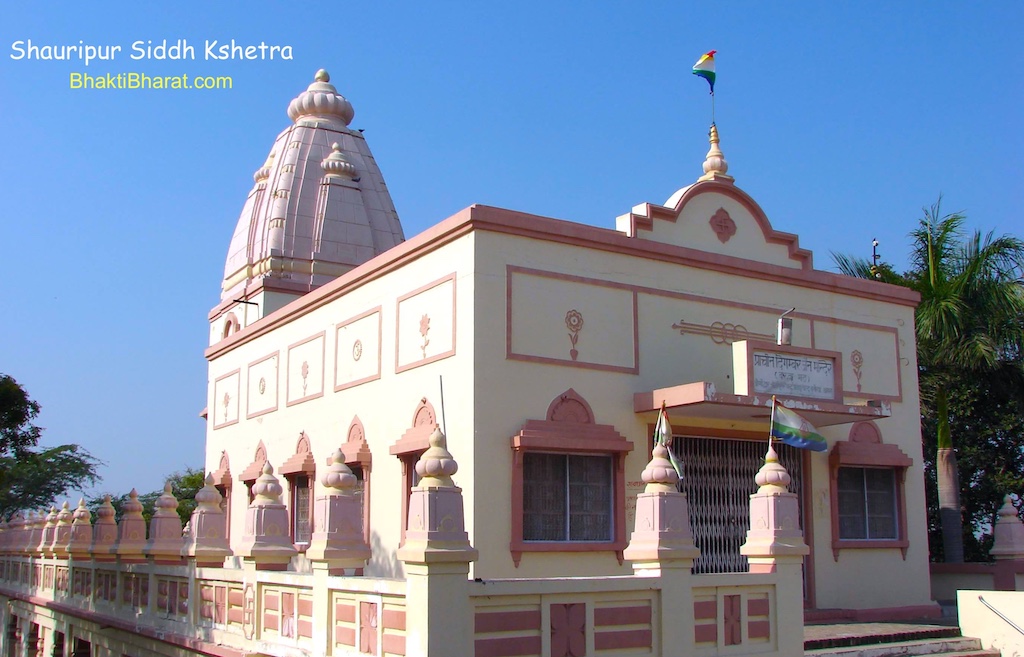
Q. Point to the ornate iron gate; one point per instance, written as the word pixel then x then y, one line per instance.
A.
pixel 718 478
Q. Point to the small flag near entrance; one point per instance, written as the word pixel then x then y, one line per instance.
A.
pixel 663 436
pixel 793 430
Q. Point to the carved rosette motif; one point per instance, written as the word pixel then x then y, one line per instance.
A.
pixel 723 225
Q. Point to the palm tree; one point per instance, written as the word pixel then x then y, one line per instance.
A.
pixel 970 321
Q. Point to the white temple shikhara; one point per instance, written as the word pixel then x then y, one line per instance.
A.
pixel 350 509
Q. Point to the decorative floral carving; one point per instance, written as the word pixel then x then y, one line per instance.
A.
pixel 568 630
pixel 723 225
pixel 357 350
pixel 424 329
pixel 857 360
pixel 226 402
pixel 262 385
pixel 574 322
pixel 305 374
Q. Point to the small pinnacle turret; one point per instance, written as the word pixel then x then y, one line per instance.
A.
pixel 715 166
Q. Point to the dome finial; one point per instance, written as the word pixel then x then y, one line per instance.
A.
pixel 321 100
pixel 715 166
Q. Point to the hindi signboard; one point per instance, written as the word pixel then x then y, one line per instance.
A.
pixel 793 375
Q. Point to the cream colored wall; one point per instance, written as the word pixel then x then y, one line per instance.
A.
pixel 691 230
pixel 509 392
pixel 384 406
pixel 978 621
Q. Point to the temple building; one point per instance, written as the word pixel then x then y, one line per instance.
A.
pixel 484 395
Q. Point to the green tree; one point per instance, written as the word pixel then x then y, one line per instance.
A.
pixel 30 476
pixel 989 414
pixel 969 323
pixel 184 486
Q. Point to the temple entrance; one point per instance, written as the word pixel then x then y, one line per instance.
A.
pixel 718 479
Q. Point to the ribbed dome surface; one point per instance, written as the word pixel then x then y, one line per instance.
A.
pixel 319 205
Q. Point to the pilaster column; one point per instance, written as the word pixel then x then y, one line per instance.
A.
pixel 267 542
pixel 131 531
pixel 104 532
pixel 205 540
pixel 61 533
pixel 165 541
pixel 436 555
pixel 1008 534
pixel 662 546
pixel 775 544
pixel 337 541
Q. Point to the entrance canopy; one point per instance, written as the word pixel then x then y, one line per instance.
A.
pixel 699 404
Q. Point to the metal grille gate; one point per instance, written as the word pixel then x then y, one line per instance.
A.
pixel 718 478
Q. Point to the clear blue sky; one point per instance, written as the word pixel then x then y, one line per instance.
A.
pixel 841 119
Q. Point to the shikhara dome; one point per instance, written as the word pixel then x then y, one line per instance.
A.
pixel 319 206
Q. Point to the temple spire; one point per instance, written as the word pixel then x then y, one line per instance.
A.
pixel 715 166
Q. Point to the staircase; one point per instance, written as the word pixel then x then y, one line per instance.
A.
pixel 890 640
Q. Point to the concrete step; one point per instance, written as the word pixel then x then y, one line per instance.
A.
pixel 948 646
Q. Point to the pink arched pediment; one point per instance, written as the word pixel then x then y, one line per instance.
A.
pixel 356 449
pixel 424 414
pixel 570 407
pixel 302 460
pixel 865 432
pixel 222 476
pixel 356 433
pixel 415 439
pixel 642 218
pixel 254 469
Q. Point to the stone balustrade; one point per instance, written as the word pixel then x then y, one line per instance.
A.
pixel 154 584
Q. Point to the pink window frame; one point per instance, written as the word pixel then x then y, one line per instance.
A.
pixel 865 449
pixel 570 429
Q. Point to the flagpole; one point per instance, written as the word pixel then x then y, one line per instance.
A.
pixel 771 423
pixel 712 107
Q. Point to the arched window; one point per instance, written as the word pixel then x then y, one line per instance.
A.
pixel 568 482
pixel 300 472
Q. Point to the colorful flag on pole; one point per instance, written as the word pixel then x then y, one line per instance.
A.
pixel 663 436
pixel 705 68
pixel 792 429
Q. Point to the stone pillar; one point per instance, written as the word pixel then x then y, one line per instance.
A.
pixel 79 543
pixel 61 533
pixel 662 546
pixel 267 541
pixel 1008 534
pixel 46 540
pixel 35 535
pixel 104 532
pixel 337 541
pixel 437 554
pixel 775 544
pixel 205 539
pixel 12 537
pixel 165 541
pixel 131 531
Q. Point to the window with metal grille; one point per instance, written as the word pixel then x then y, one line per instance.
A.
pixel 867 503
pixel 567 497
pixel 718 479
pixel 301 526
